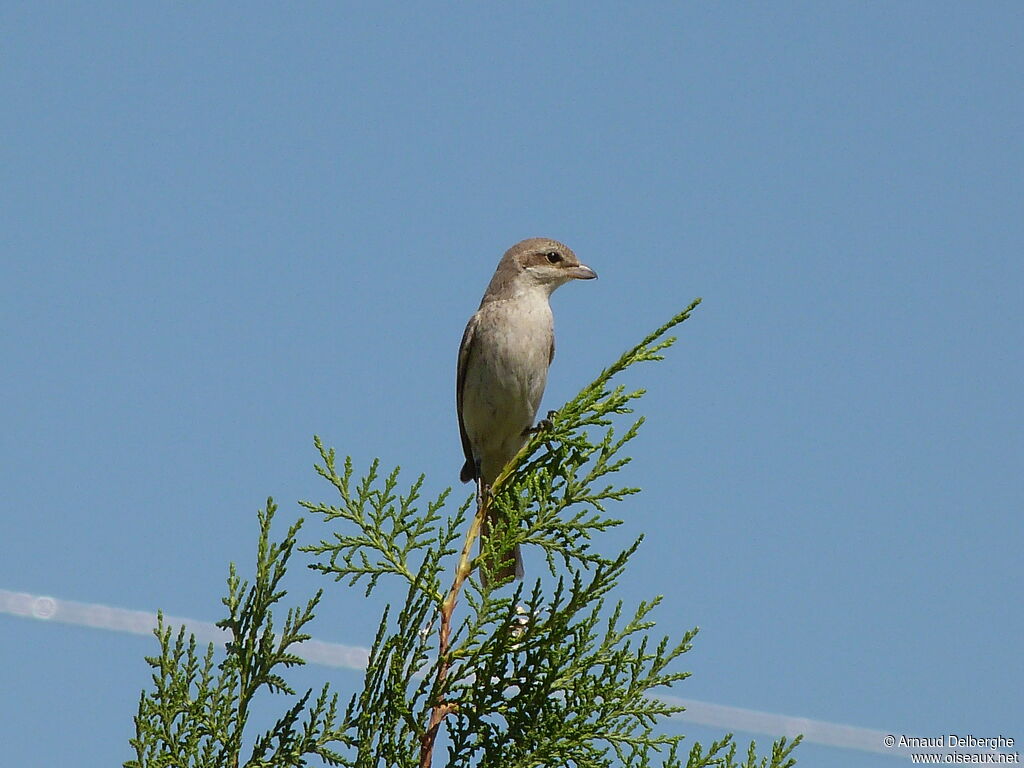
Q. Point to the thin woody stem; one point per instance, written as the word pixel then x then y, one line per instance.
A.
pixel 442 708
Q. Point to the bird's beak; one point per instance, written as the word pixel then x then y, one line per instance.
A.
pixel 582 272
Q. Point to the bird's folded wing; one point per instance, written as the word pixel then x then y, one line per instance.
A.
pixel 465 350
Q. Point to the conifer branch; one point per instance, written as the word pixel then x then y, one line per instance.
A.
pixel 441 708
pixel 556 672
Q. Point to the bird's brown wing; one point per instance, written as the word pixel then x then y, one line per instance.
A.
pixel 465 350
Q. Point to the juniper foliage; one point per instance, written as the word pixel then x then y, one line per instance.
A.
pixel 551 672
pixel 196 714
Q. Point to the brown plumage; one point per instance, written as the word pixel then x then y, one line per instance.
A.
pixel 503 362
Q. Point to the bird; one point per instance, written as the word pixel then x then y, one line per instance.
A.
pixel 504 356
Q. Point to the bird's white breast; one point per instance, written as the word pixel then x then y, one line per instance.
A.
pixel 506 376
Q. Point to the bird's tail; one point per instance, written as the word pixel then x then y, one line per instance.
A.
pixel 501 566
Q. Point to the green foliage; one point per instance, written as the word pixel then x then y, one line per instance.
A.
pixel 197 712
pixel 389 529
pixel 547 673
pixel 722 754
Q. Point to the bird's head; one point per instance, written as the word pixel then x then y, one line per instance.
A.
pixel 544 262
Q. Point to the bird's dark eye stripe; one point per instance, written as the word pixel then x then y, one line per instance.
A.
pixel 554 256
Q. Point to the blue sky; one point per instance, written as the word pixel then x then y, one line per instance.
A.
pixel 227 228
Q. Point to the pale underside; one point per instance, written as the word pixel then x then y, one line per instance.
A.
pixel 502 374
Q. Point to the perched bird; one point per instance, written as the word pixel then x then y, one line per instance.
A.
pixel 503 364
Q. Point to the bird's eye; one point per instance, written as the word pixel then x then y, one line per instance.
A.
pixel 554 257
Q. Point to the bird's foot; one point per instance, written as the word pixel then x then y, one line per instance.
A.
pixel 542 426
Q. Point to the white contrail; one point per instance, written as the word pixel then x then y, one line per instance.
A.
pixel 143 623
pixel 353 657
pixel 752 721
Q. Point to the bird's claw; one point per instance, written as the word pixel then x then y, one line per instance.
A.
pixel 542 426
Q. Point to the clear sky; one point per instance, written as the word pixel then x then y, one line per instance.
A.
pixel 227 227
